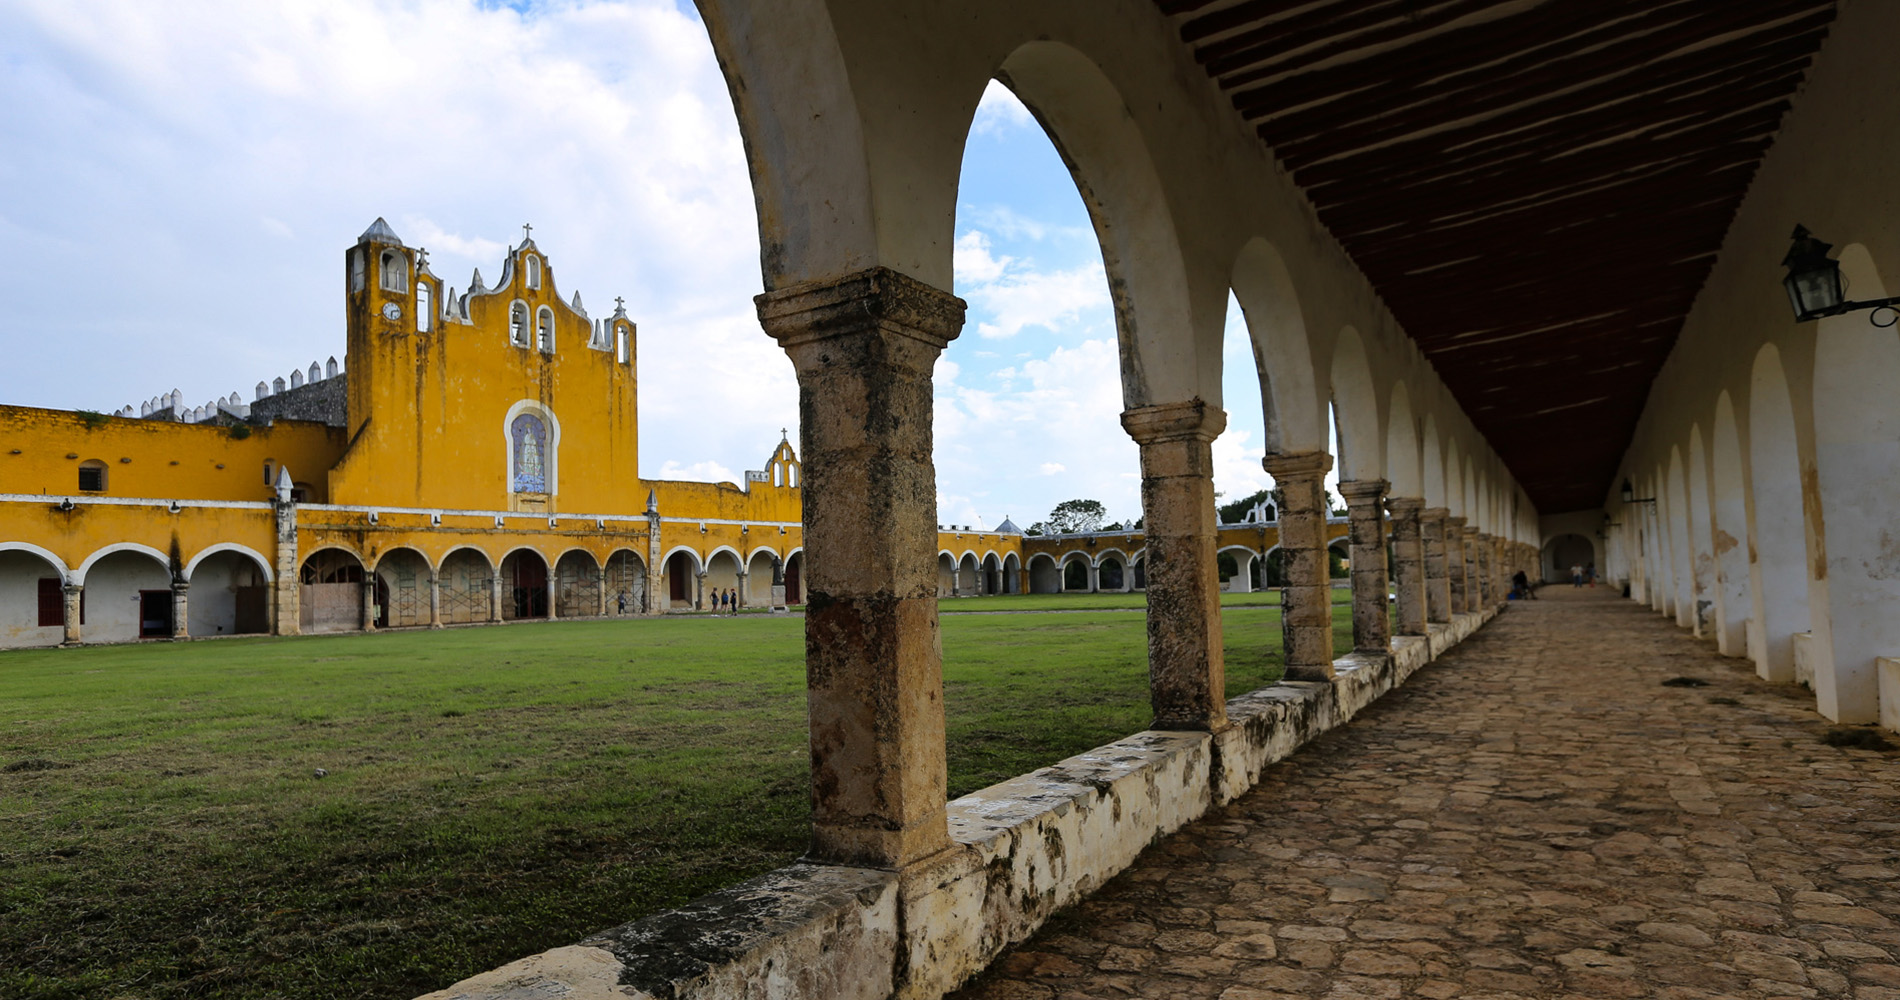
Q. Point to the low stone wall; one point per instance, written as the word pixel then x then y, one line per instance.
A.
pixel 1024 849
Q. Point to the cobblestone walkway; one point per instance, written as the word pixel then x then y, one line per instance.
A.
pixel 1535 815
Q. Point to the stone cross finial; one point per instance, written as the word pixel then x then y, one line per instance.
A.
pixel 527 232
pixel 620 303
pixel 784 435
pixel 422 257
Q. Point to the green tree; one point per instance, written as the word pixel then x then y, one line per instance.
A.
pixel 1232 513
pixel 1076 516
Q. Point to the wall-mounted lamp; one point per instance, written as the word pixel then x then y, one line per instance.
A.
pixel 1814 284
pixel 1629 494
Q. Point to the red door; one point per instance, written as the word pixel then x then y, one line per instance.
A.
pixel 792 595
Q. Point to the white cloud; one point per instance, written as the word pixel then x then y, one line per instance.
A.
pixel 999 111
pixel 143 140
pixel 973 262
pixel 698 472
pixel 1051 468
pixel 1014 295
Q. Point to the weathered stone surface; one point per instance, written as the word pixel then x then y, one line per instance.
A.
pixel 1365 512
pixel 1306 615
pixel 1536 816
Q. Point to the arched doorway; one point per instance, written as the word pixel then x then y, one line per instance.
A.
pixel 794 584
pixel 682 579
pixel 331 592
pixel 1044 577
pixel 230 595
pixel 576 586
pixel 1012 574
pixel 1109 575
pixel 946 575
pixel 1075 574
pixel 1563 552
pixel 524 579
pixel 32 601
pixel 402 589
pixel 626 583
pixel 466 583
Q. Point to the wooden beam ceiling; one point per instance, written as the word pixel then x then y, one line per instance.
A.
pixel 1537 188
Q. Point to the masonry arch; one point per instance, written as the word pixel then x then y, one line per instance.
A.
pixel 1012 574
pixel 1356 410
pixel 1564 551
pixel 968 579
pixel 1237 566
pixel 577 585
pixel 795 576
pixel 128 594
pixel 1076 575
pixel 401 578
pixel 1432 467
pixel 723 566
pixel 1454 479
pixel 679 573
pixel 1402 446
pixel 992 574
pixel 947 575
pixel 80 574
pixel 330 591
pixel 32 596
pixel 524 585
pixel 1289 398
pixel 624 581
pixel 1086 116
pixel 1856 464
pixel 1730 529
pixel 1701 535
pixel 1681 554
pixel 230 592
pixel 1111 571
pixel 1045 576
pixel 465 583
pixel 758 577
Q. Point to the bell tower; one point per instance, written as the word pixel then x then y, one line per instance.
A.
pixel 383 329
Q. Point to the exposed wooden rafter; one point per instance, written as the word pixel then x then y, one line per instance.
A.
pixel 1537 188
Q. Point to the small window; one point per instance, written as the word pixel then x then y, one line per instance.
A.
pixel 92 476
pixel 518 325
pixel 423 312
pixel 300 493
pixel 620 343
pixel 544 330
pixel 394 271
pixel 778 474
pixel 356 269
pixel 534 271
pixel 267 478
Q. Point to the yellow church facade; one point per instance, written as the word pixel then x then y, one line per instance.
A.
pixel 475 460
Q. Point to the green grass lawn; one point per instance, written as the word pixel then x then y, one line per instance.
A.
pixel 491 792
pixel 1103 602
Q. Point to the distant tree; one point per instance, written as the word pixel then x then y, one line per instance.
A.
pixel 1075 516
pixel 1234 513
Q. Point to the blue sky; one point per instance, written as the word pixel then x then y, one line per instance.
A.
pixel 179 182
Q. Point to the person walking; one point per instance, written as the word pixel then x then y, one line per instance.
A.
pixel 1576 574
pixel 623 602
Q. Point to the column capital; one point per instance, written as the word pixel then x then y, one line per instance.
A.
pixel 1405 507
pixel 1294 464
pixel 876 299
pixel 1359 492
pixel 1455 522
pixel 1194 420
pixel 1434 514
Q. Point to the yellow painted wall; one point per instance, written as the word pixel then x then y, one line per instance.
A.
pixel 428 409
pixel 157 458
pixel 75 535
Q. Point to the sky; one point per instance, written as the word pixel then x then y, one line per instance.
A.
pixel 179 183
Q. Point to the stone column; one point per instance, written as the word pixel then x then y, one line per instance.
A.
pixel 1455 564
pixel 1371 610
pixel 699 591
pixel 1095 577
pixel 553 588
pixel 1187 679
pixel 1408 563
pixel 740 594
pixel 1472 542
pixel 1307 614
pixel 863 347
pixel 656 596
pixel 181 608
pixel 287 592
pixel 435 600
pixel 75 594
pixel 494 596
pixel 602 599
pixel 1438 606
pixel 369 600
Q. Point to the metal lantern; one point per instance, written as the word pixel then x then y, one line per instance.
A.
pixel 1814 280
pixel 1629 492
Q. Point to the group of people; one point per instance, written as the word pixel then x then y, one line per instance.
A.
pixel 724 602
